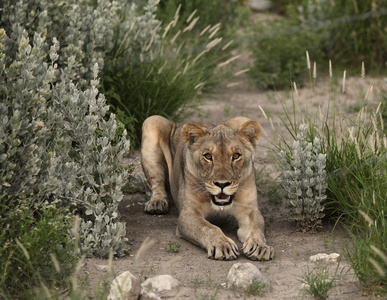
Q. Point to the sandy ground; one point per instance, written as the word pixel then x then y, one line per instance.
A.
pixel 202 278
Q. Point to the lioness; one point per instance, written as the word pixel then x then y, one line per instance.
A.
pixel 209 170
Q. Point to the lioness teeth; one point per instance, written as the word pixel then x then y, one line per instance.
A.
pixel 222 199
pixel 222 196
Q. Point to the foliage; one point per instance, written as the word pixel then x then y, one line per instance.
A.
pixel 49 149
pixel 319 281
pixel 165 76
pixel 26 168
pixel 25 238
pixel 173 247
pixel 255 288
pixel 345 31
pixel 89 167
pixel 84 31
pixel 368 256
pixel 150 88
pixel 358 191
pixel 274 194
pixel 350 30
pixel 277 50
pixel 281 6
pixel 383 108
pixel 304 180
pixel 230 13
pixel 356 151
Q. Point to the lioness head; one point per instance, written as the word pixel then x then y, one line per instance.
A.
pixel 220 157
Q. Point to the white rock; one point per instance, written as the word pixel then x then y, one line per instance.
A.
pixel 242 275
pixel 151 287
pixel 259 5
pixel 323 256
pixel 150 296
pixel 125 286
pixel 101 267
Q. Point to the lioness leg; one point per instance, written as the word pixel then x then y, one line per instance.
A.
pixel 193 227
pixel 156 161
pixel 251 234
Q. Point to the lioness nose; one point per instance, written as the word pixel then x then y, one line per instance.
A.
pixel 222 185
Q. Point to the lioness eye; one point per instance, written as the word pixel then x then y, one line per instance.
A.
pixel 208 156
pixel 236 156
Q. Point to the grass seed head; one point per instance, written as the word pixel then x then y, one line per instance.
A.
pixel 307 60
pixel 330 69
pixel 344 78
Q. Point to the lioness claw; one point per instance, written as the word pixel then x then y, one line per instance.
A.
pixel 225 251
pixel 257 252
pixel 156 207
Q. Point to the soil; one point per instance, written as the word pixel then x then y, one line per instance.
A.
pixel 202 278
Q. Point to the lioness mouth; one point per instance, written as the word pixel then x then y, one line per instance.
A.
pixel 222 199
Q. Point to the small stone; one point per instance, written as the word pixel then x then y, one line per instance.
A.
pixel 150 296
pixel 243 274
pixel 326 257
pixel 125 286
pixel 151 288
pixel 101 267
pixel 259 5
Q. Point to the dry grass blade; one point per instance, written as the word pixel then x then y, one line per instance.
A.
pixel 146 244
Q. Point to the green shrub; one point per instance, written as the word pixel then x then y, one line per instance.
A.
pixel 278 50
pixel 383 108
pixel 85 32
pixel 356 166
pixel 162 78
pixel 351 30
pixel 304 180
pixel 281 6
pixel 27 237
pixel 49 146
pixel 89 167
pixel 230 13
pixel 367 253
pixel 318 281
pixel 137 93
pixel 358 187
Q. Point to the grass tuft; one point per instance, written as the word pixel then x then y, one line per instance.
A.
pixel 318 281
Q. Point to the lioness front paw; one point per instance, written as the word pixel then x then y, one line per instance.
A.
pixel 156 206
pixel 223 248
pixel 257 250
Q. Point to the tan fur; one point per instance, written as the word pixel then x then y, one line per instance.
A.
pixel 208 170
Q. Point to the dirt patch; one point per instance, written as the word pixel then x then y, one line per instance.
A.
pixel 202 278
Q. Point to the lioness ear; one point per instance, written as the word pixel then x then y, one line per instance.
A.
pixel 191 131
pixel 252 131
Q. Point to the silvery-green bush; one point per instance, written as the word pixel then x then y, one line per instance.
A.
pixel 86 30
pixel 56 140
pixel 89 166
pixel 25 161
pixel 304 180
pixel 56 137
pixel 49 150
